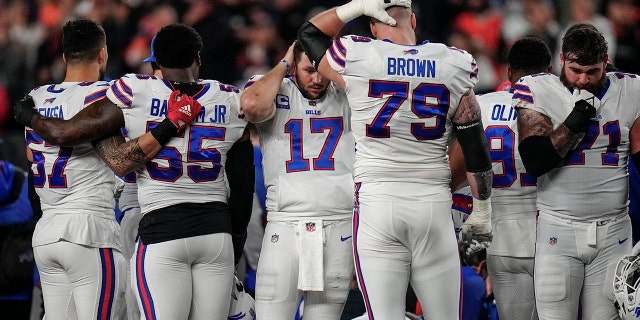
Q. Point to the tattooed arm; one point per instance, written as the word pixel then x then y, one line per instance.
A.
pixel 470 133
pixel 99 120
pixel 541 148
pixel 533 123
pixel 123 157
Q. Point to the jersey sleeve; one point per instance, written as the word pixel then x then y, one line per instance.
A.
pixel 120 92
pixel 466 76
pixel 523 96
pixel 253 80
pixel 97 92
pixel 337 53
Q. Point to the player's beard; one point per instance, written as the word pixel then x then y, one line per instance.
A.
pixel 312 95
pixel 304 88
pixel 595 88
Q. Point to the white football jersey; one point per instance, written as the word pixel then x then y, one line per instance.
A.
pixel 307 155
pixel 190 168
pixel 402 99
pixel 593 181
pixel 513 198
pixel 74 185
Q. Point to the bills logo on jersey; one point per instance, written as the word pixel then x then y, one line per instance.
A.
pixel 311 226
pixel 553 240
pixel 282 102
pixel 411 51
pixel 275 238
pixel 50 100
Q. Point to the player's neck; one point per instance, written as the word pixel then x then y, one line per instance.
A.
pixel 82 72
pixel 179 75
pixel 398 38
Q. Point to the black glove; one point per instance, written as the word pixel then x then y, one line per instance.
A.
pixel 24 110
pixel 471 247
pixel 578 119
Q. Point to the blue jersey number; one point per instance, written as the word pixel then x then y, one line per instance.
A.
pixel 57 178
pixel 398 93
pixel 196 153
pixel 325 160
pixel 503 154
pixel 610 157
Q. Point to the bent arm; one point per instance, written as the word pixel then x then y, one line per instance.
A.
pixel 542 148
pixel 99 120
pixel 257 99
pixel 315 37
pixel 126 156
pixel 470 133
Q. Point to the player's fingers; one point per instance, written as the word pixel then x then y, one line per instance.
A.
pixel 174 95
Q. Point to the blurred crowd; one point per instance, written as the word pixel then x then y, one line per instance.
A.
pixel 247 37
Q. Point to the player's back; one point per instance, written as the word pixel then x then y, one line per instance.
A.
pixel 513 197
pixel 74 185
pixel 514 190
pixel 307 148
pixel 189 169
pixel 402 100
pixel 598 162
pixel 69 179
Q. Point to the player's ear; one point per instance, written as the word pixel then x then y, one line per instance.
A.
pixel 64 58
pixel 198 61
pixel 372 26
pixel 102 55
pixel 414 23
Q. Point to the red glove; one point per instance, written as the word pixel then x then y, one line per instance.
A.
pixel 183 109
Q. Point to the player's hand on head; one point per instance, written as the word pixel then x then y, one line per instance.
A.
pixel 24 110
pixel 182 109
pixel 372 8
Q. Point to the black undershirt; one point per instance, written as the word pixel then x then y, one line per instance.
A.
pixel 184 220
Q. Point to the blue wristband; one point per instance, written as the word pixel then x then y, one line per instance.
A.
pixel 286 64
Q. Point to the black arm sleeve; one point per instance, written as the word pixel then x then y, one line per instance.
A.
pixel 474 146
pixel 240 172
pixel 538 155
pixel 314 42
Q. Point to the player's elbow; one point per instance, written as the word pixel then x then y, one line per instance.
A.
pixel 252 108
pixel 59 137
pixel 538 155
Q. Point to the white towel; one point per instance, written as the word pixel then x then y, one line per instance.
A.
pixel 310 247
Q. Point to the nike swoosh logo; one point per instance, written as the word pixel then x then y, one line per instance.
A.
pixel 343 239
pixel 622 241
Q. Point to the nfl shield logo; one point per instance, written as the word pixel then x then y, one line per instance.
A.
pixel 274 238
pixel 553 240
pixel 311 226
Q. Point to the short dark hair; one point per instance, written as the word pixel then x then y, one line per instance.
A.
pixel 297 51
pixel 529 55
pixel 584 44
pixel 82 39
pixel 177 46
